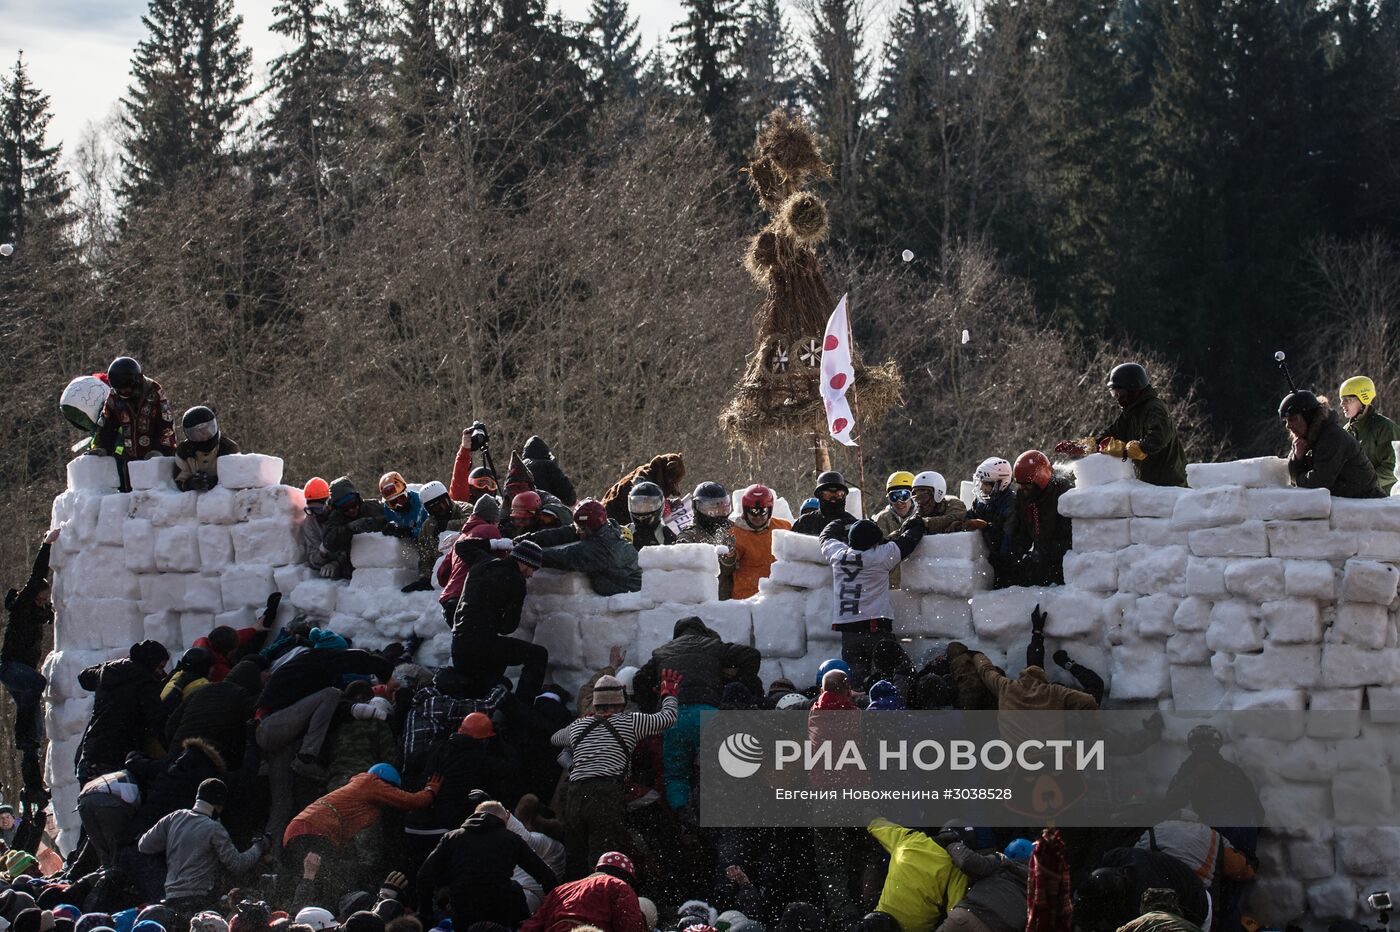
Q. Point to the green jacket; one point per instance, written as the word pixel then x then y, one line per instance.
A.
pixel 1149 423
pixel 609 561
pixel 1376 432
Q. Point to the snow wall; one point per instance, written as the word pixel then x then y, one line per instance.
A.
pixel 1236 593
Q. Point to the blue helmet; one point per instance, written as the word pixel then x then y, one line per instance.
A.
pixel 835 663
pixel 388 773
pixel 1019 850
pixel 810 505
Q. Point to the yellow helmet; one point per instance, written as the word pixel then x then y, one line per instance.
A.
pixel 1360 386
pixel 899 480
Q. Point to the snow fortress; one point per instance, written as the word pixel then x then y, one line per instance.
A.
pixel 1237 593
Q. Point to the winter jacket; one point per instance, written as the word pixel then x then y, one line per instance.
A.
pixel 1156 869
pixel 476 862
pixel 1333 461
pixel 717 534
pixel 313 670
pixel 219 714
pixel 973 694
pixel 997 894
pixel 889 522
pixel 222 662
pixel 599 900
pixel 342 814
pixel 814 523
pixel 652 535
pixel 1200 848
pixel 125 712
pixel 190 459
pixel 196 846
pixel 459 488
pixel 313 529
pixel 996 511
pixel 412 516
pixel 609 561
pixel 1148 421
pixel 171 783
pixel 1217 790
pixel 142 425
pixel 470 548
pixel 666 470
pixel 755 549
pixel 1376 433
pixel 860 579
pixel 922 882
pixel 1036 521
pixel 340 527
pixel 701 657
pixel 1031 691
pixel 431 533
pixel 548 476
pixel 491 600
pixel 465 764
pixel 357 745
pixel 24 635
pixel 436 714
pixel 945 517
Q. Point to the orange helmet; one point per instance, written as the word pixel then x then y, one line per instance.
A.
pixel 391 485
pixel 1033 467
pixel 477 725
pixel 316 488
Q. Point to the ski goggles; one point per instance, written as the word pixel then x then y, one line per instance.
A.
pixel 899 496
pixel 831 495
pixel 485 483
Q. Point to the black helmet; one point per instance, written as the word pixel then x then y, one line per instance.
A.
pixel 831 479
pixel 645 498
pixel 124 374
pixel 711 500
pixel 864 534
pixel 1127 377
pixel 199 424
pixel 1300 402
pixel 1205 737
pixel 196 661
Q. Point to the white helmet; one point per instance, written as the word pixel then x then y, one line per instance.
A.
pixel 431 491
pixel 928 479
pixel 995 470
pixel 317 917
pixel 82 401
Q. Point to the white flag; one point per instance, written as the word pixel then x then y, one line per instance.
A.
pixel 837 375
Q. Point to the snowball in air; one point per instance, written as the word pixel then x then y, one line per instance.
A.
pixel 1279 357
pixel 908 255
pixel 7 249
pixel 966 336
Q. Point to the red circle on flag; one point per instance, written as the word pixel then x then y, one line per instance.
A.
pixel 831 342
pixel 838 425
pixel 838 380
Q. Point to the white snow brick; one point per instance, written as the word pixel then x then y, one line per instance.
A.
pixel 1232 630
pixel 157 472
pixel 1366 514
pixel 161 591
pixel 82 529
pixel 559 634
pixel 246 585
pixel 731 620
pixel 1188 647
pixel 1270 700
pixel 1361 624
pixel 316 597
pixel 62 509
pixel 544 582
pixel 216 506
pixel 1379 545
pixel 1003 617
pixel 1344 718
pixel 92 472
pixel 273 501
pixel 376 577
pixel 656 626
pixel 1264 472
pixel 1288 504
pixel 1293 665
pixel 1100 469
pixel 625 602
pixel 215 548
pixel 1154 501
pixel 1346 665
pixel 963 545
pixel 599 634
pixel 1140 671
pixel 905 606
pixel 686 586
pixel 1103 501
pixel 1276 901
pixel 1248 539
pixel 1149 570
pixel 286 578
pixel 1369 581
pixel 1193 614
pixel 108 623
pixel 171 509
pixel 237 619
pixel 162 626
pixel 1197 689
pixel 1157 532
pixel 177 550
pixel 820 603
pixel 1292 621
pixel 960 578
pixel 1101 534
pixel 1384 703
pixel 942 616
pixel 379 551
pixel 697 557
pixel 803 670
pixel 1332 898
pixel 1314 540
pixel 1073 613
pixel 1117 610
pixel 779 630
pixel 139 546
pixel 111 514
pixel 1152 616
pixel 1209 508
pixel 967 492
pixel 1094 570
pixel 1255 580
pixel 1362 796
pixel 1205 576
pixel 796 575
pixel 202 595
pixel 1313 579
pixel 249 470
pixel 1367 851
pixel 269 541
pixel 795 548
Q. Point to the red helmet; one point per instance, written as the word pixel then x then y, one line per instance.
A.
pixel 525 504
pixel 1034 467
pixel 477 725
pixel 618 860
pixel 757 496
pixel 590 515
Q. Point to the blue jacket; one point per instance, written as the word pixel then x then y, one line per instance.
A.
pixel 995 512
pixel 413 519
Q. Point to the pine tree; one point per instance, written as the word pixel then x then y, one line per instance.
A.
pixel 612 57
pixel 768 64
pixel 190 73
pixel 32 185
pixel 835 93
pixel 304 95
pixel 707 45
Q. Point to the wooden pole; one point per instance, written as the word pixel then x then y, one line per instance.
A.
pixel 820 450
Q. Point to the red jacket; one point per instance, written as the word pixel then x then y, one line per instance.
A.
pixel 342 814
pixel 221 665
pixel 834 718
pixel 597 900
pixel 458 489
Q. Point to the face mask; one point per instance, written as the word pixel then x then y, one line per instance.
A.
pixel 834 508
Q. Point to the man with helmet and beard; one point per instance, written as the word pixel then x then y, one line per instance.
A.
pixel 1037 534
pixel 136 421
pixel 1143 431
pixel 1324 455
pixel 753 539
pixel 939 513
pixel 647 506
pixel 712 526
pixel 831 492
pixel 197 456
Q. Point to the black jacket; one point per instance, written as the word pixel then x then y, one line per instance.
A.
pixel 476 862
pixel 313 670
pixel 1334 461
pixel 814 523
pixel 997 895
pixel 1148 421
pixel 1157 869
pixel 219 713
pixel 24 635
pixel 465 764
pixel 491 600
pixel 545 468
pixel 701 657
pixel 126 710
pixel 1036 520
pixel 170 783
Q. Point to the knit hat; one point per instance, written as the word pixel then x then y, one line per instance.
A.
pixel 487 508
pixel 18 862
pixel 617 860
pixel 518 476
pixel 884 697
pixel 648 911
pixel 364 921
pixel 67 911
pixel 864 534
pixel 52 896
pixel 1020 850
pixel 33 920
pixel 781 686
pixel 608 691
pixel 326 638
pixel 149 654
pixel 212 791
pixel 529 553
pixel 210 921
pixel 14 902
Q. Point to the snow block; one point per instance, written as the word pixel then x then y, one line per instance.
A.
pixel 1313 540
pixel 316 596
pixel 1292 621
pixel 1103 501
pixel 375 578
pixel 779 630
pixel 216 506
pixel 796 575
pixel 1379 545
pixel 286 578
pixel 697 557
pixel 215 548
pixel 656 626
pixel 546 582
pixel 1276 901
pixel 599 634
pixel 794 548
pixel 1295 665
pixel 111 514
pixel 1248 539
pixel 1362 796
pixel 1361 624
pixel 1003 616
pixel 169 509
pixel 160 591
pixel 1101 534
pixel 905 605
pixel 686 586
pixel 1196 688
pixel 1344 718
pixel 1366 514
pixel 1152 616
pixel 162 626
pixel 1369 581
pixel 559 634
pixel 1099 469
pixel 1288 504
pixel 942 616
pixel 1384 703
pixel 246 585
pixel 1311 579
pixel 194 625
pixel 1205 577
pixel 1154 501
pixel 1367 851
pixel 1345 665
pixel 630 602
pixel 379 551
pixel 139 546
pixel 1150 570
pixel 1095 570
pixel 268 541
pixel 1232 630
pixel 177 550
pixel 249 470
pixel 1209 508
pixel 949 577
pixel 1332 898
pixel 1156 532
pixel 1117 610
pixel 964 545
pixel 1193 614
pixel 1188 647
pixel 1255 580
pixel 1264 472
pixel 1073 613
pixel 158 472
pixel 1140 671
pixel 202 595
pixel 97 473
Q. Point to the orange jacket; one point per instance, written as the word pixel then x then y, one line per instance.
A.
pixel 342 814
pixel 755 555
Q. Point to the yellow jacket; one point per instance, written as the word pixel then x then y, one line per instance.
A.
pixel 922 882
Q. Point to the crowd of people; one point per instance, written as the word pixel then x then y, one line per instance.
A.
pixel 282 776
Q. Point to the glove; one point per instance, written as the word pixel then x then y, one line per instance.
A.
pixel 397 530
pixel 670 682
pixel 974 524
pixel 956 649
pixel 503 544
pixel 1061 657
pixel 1134 451
pixel 328 571
pixel 948 838
pixel 364 711
pixel 393 886
pixel 199 482
pixel 96 451
pixel 1038 620
pixel 362 525
pixel 419 585
pixel 1112 446
pixel 721 550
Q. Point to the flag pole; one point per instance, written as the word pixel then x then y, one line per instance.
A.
pixel 855 410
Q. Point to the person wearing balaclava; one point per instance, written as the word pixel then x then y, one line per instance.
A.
pixel 831 494
pixel 197 456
